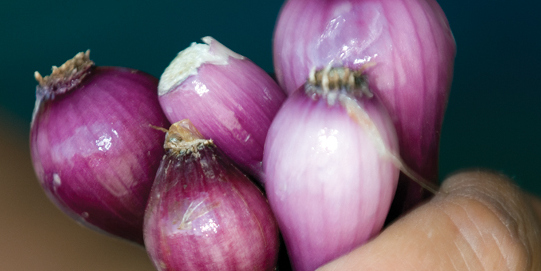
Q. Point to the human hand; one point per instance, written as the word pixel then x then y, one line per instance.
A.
pixel 478 221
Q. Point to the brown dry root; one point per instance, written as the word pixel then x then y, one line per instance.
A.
pixel 64 78
pixel 482 222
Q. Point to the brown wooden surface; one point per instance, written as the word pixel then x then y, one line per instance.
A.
pixel 34 234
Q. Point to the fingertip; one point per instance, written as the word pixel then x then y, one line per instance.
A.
pixel 482 221
pixel 502 209
pixel 536 205
pixel 476 179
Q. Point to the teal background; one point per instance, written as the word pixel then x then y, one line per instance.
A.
pixel 493 117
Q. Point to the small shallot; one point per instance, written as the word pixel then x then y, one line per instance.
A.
pixel 204 213
pixel 330 166
pixel 93 147
pixel 226 96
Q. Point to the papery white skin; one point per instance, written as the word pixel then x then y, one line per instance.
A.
pixel 328 183
pixel 226 96
pixel 412 49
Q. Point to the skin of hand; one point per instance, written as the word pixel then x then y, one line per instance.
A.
pixel 479 220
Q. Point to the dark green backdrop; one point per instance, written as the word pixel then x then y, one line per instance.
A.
pixel 493 118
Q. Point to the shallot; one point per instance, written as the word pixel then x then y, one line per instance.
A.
pixel 93 147
pixel 330 167
pixel 226 96
pixel 204 213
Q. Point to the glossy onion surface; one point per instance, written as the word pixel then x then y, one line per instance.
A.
pixel 328 184
pixel 205 214
pixel 226 96
pixel 93 149
pixel 411 46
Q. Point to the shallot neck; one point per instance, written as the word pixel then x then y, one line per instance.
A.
pixel 64 78
pixel 331 82
pixel 183 138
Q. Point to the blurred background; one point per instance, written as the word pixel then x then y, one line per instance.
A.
pixel 493 118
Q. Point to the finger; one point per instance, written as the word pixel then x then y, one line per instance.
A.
pixel 480 221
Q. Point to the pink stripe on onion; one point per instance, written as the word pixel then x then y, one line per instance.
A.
pixel 226 96
pixel 93 148
pixel 331 166
pixel 204 213
pixel 413 50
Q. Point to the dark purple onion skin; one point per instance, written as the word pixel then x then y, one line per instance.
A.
pixel 230 227
pixel 94 151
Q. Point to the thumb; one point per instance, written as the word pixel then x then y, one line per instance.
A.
pixel 478 221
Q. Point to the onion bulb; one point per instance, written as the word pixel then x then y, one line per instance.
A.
pixel 330 167
pixel 93 148
pixel 204 213
pixel 226 96
pixel 412 50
